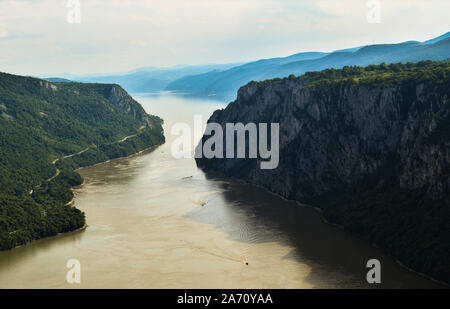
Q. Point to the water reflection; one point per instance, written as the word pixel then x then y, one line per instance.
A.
pixel 252 215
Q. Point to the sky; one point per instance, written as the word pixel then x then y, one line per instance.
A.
pixel 40 37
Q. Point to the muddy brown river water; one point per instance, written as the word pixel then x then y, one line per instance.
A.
pixel 152 225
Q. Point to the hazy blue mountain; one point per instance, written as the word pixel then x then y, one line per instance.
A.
pixel 439 38
pixel 372 54
pixel 223 80
pixel 150 79
pixel 58 80
pixel 349 50
pixel 224 84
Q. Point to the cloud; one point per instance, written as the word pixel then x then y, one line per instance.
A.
pixel 118 35
pixel 3 32
pixel 17 36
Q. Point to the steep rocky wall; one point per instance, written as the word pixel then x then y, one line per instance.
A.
pixel 334 136
pixel 119 97
pixel 373 155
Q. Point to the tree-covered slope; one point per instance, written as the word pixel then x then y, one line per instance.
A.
pixel 41 125
pixel 224 83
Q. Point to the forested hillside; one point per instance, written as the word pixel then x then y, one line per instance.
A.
pixel 46 131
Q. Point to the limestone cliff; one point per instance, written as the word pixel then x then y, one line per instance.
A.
pixel 119 97
pixel 381 134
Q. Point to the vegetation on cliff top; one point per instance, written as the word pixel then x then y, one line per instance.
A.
pixel 383 74
pixel 393 74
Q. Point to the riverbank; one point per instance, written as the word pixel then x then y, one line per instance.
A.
pixel 81 229
pixel 72 201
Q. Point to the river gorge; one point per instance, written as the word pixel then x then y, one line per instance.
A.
pixel 159 222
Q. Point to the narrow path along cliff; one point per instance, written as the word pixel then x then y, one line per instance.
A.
pixel 83 151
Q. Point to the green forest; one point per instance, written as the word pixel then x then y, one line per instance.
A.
pixel 393 74
pixel 42 123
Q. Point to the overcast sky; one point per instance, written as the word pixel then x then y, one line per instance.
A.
pixel 120 35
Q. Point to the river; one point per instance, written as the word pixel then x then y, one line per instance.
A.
pixel 152 225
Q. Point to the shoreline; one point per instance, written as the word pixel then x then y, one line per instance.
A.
pixel 72 202
pixel 84 227
pixel 110 160
pixel 320 212
pixel 80 229
pixel 222 176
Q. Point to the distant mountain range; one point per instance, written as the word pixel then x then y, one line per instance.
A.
pixel 224 84
pixel 147 79
pixel 223 80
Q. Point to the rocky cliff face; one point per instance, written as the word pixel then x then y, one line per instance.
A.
pixel 119 97
pixel 336 136
pixel 333 136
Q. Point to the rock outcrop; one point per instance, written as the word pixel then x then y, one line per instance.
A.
pixel 119 97
pixel 331 137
